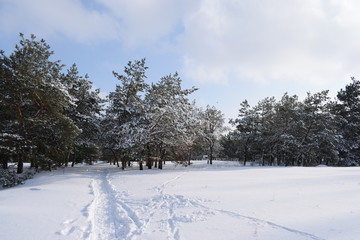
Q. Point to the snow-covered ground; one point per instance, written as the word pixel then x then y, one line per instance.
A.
pixel 223 201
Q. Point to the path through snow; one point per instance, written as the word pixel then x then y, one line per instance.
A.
pixel 115 214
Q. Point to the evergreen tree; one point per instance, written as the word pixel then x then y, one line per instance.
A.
pixel 246 125
pixel 288 132
pixel 85 112
pixel 266 140
pixel 171 119
pixel 33 100
pixel 124 115
pixel 212 125
pixel 231 145
pixel 349 111
pixel 315 130
pixel 285 140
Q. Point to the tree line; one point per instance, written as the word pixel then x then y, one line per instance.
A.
pixel 52 116
pixel 291 132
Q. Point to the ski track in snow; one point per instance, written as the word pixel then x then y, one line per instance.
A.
pixel 114 215
pixel 101 212
pixel 110 218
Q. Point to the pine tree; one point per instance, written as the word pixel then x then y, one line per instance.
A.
pixel 349 111
pixel 34 100
pixel 171 119
pixel 246 125
pixel 266 140
pixel 85 113
pixel 125 114
pixel 212 125
pixel 285 140
pixel 315 130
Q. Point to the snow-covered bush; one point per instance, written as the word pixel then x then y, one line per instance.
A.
pixel 9 178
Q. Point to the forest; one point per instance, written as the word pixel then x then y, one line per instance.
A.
pixel 51 117
pixel 291 132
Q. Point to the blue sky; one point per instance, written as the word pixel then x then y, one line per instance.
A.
pixel 231 50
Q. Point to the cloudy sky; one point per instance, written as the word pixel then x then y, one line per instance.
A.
pixel 231 50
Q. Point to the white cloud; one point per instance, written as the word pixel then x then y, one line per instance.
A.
pixel 66 17
pixel 148 22
pixel 135 23
pixel 315 41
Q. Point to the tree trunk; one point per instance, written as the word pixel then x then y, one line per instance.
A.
pixel 271 160
pixel 141 165
pixel 149 163
pixel 245 156
pixel 32 162
pixel 123 164
pixel 189 158
pixel 160 164
pixel 116 160
pixel 4 162
pixel 148 160
pixel 67 159
pixel 20 166
pixel 72 159
pixel 211 154
pixel 162 156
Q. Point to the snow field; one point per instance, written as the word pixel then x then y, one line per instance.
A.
pixel 223 201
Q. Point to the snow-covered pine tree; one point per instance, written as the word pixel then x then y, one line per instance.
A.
pixel 171 119
pixel 285 140
pixel 231 145
pixel 85 112
pixel 246 127
pixel 123 122
pixel 212 125
pixel 316 131
pixel 349 110
pixel 34 99
pixel 265 140
pixel 288 132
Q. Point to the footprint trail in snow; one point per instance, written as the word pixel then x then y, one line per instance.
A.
pixel 116 214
